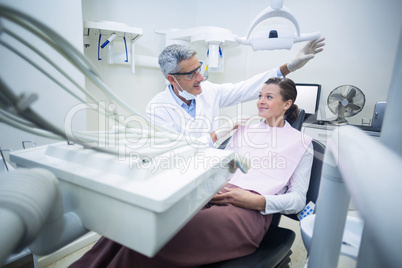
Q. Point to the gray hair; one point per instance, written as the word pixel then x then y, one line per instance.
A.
pixel 172 55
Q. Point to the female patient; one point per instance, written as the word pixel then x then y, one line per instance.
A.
pixel 235 221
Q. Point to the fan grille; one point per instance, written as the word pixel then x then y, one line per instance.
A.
pixel 346 101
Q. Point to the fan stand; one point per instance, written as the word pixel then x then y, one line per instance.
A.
pixel 339 121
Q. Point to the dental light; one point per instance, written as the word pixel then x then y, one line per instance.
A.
pixel 277 36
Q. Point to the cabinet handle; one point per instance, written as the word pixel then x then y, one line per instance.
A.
pixel 323 135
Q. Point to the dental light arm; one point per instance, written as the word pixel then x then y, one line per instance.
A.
pixel 280 36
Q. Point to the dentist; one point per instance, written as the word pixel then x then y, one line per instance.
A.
pixel 191 107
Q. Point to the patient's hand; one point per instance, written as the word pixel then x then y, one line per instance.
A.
pixel 240 198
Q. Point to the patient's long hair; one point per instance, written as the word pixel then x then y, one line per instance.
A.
pixel 288 92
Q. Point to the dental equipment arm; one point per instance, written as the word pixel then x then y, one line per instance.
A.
pixel 353 164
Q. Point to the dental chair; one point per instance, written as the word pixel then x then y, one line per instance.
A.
pixel 275 248
pixel 300 119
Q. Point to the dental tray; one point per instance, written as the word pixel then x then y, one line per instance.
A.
pixel 138 203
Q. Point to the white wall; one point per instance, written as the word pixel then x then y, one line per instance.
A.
pixel 66 18
pixel 361 38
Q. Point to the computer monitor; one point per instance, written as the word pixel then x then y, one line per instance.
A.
pixel 308 97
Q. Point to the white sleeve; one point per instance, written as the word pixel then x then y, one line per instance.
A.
pixel 294 199
pixel 231 94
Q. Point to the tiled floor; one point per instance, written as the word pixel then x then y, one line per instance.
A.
pixel 69 259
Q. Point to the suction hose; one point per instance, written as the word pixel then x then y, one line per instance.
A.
pixel 31 211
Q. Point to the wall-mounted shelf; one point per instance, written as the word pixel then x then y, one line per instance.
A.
pixel 93 28
pixel 215 38
pixel 121 32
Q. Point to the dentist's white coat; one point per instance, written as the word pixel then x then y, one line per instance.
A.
pixel 163 110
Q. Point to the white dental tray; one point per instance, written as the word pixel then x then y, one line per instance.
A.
pixel 138 203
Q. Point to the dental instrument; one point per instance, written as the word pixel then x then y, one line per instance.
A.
pixel 110 39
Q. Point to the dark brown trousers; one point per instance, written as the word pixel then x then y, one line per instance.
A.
pixel 214 234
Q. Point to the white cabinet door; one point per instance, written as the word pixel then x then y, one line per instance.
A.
pixel 320 133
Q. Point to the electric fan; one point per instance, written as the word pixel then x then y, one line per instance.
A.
pixel 345 101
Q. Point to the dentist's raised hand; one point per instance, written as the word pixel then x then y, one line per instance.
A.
pixel 306 53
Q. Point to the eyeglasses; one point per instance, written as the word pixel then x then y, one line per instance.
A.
pixel 190 75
